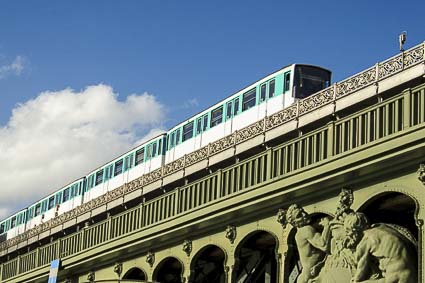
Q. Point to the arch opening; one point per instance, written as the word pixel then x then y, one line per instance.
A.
pixel 135 274
pixel 208 266
pixel 169 271
pixel 394 208
pixel 256 259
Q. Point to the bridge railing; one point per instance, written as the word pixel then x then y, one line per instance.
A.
pixel 372 124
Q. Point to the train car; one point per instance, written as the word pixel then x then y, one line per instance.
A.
pixel 13 225
pixel 127 167
pixel 264 97
pixel 59 202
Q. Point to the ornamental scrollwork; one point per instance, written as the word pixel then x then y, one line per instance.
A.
pixel 281 117
pixel 196 156
pixel 317 100
pixel 222 144
pixel 391 66
pixel 250 131
pixel 187 247
pixel 231 233
pixel 421 173
pixel 414 56
pixel 356 82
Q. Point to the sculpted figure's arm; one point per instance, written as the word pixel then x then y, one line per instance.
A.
pixel 319 240
pixel 363 260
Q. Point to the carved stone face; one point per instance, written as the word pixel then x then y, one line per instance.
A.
pixel 298 217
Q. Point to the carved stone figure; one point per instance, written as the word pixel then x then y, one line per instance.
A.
pixel 311 244
pixel 383 254
pixel 349 250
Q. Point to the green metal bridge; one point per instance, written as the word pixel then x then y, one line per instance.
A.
pixel 220 213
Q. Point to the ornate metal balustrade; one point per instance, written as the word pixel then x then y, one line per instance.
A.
pixel 399 113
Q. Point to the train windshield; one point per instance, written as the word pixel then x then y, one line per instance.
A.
pixel 309 79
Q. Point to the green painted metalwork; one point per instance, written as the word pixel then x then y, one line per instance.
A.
pixel 365 127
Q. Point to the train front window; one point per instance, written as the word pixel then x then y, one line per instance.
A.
pixel 309 80
pixel 188 131
pixel 248 100
pixel 216 117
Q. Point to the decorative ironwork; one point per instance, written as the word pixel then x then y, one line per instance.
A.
pixel 196 156
pixel 222 144
pixel 250 131
pixel 414 56
pixel 356 82
pixel 391 66
pixel 231 233
pixel 174 166
pixel 187 247
pixel 317 100
pixel 152 176
pixel 281 117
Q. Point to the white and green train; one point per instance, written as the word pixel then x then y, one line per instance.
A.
pixel 264 97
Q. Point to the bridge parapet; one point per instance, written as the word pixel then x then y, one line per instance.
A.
pixel 389 119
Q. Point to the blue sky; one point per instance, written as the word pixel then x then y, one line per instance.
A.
pixel 177 57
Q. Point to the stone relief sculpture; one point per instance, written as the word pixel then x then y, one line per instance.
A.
pixel 348 249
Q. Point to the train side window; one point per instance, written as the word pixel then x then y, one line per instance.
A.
pixel 205 123
pixel 236 106
pixel 198 126
pixel 37 209
pixel 216 116
pixel 149 151
pixel 44 206
pixel 229 110
pixel 248 100
pixel 118 167
pixel 51 202
pixel 188 131
pixel 99 177
pixel 271 88
pixel 140 156
pixel 172 139
pixel 178 136
pixel 2 228
pixel 160 147
pixel 263 90
pixel 65 196
pixel 13 222
pixel 154 149
pixel 287 81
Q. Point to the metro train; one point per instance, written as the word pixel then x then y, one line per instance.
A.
pixel 264 97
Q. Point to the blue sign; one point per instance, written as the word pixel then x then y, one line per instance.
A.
pixel 54 269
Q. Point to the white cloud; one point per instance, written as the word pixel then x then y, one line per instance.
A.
pixel 14 68
pixel 60 136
